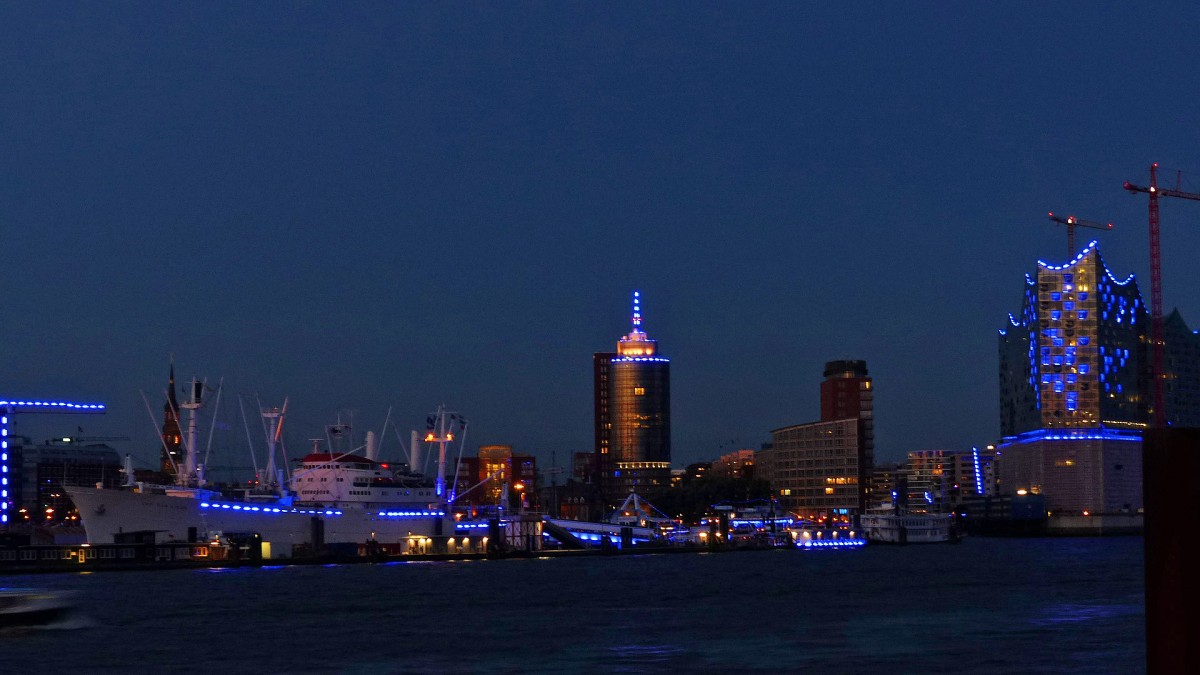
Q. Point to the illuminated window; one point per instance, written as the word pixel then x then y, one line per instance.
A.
pixel 828 490
pixel 639 391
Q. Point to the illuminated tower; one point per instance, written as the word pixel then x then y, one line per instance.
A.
pixel 172 441
pixel 633 414
pixel 1075 357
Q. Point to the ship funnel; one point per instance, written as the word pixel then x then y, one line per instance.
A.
pixel 127 469
pixel 372 447
pixel 414 452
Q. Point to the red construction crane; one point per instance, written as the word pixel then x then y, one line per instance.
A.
pixel 1156 312
pixel 1072 222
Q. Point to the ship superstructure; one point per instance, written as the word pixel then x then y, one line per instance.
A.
pixel 334 495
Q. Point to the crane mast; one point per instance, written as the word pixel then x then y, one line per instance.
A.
pixel 1156 310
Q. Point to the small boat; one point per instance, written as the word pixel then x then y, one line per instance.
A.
pixel 33 608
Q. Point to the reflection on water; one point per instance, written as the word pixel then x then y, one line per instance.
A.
pixel 1057 614
pixel 999 605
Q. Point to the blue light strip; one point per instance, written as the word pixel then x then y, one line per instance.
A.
pixel 657 359
pixel 832 543
pixel 1082 254
pixel 978 474
pixel 410 514
pixel 476 526
pixel 267 509
pixel 64 405
pixel 1096 434
pixel 7 408
pixel 4 500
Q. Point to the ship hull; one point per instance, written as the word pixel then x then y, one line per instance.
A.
pixel 107 513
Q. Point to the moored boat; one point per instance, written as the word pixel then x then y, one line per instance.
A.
pixel 334 496
pixel 885 525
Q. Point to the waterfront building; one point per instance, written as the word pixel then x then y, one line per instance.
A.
pixel 1075 387
pixel 583 466
pixel 494 473
pixel 888 485
pixel 1078 354
pixel 938 480
pixel 1086 472
pixel 969 473
pixel 822 469
pixel 632 388
pixel 736 464
pixel 38 472
pixel 928 486
pixel 846 392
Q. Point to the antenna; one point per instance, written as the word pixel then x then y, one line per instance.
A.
pixel 637 311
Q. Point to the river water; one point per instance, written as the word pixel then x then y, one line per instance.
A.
pixel 985 606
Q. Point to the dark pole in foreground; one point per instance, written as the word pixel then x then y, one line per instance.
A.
pixel 1171 468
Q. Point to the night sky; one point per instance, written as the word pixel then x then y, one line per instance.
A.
pixel 364 206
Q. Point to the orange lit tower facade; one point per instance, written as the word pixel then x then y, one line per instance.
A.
pixel 633 414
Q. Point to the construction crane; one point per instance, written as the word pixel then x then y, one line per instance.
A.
pixel 1156 313
pixel 1072 222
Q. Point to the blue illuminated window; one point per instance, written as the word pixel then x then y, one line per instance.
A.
pixel 1045 351
pixel 1058 342
pixel 1045 360
pixel 1068 278
pixel 1055 315
pixel 1058 360
pixel 1056 296
pixel 1119 389
pixel 1068 306
pixel 1083 369
pixel 1070 360
pixel 1084 340
pixel 1058 387
pixel 1071 377
pixel 1045 379
pixel 1082 297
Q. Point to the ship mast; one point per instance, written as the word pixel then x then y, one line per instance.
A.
pixel 190 474
pixel 438 432
pixel 274 419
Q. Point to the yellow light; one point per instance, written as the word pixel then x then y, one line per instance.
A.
pixel 1022 492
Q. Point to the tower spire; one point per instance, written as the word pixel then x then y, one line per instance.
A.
pixel 637 311
pixel 171 386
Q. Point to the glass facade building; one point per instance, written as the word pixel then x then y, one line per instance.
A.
pixel 633 414
pixel 1077 356
pixel 1075 387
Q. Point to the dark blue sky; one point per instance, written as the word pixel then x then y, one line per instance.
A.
pixel 371 205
